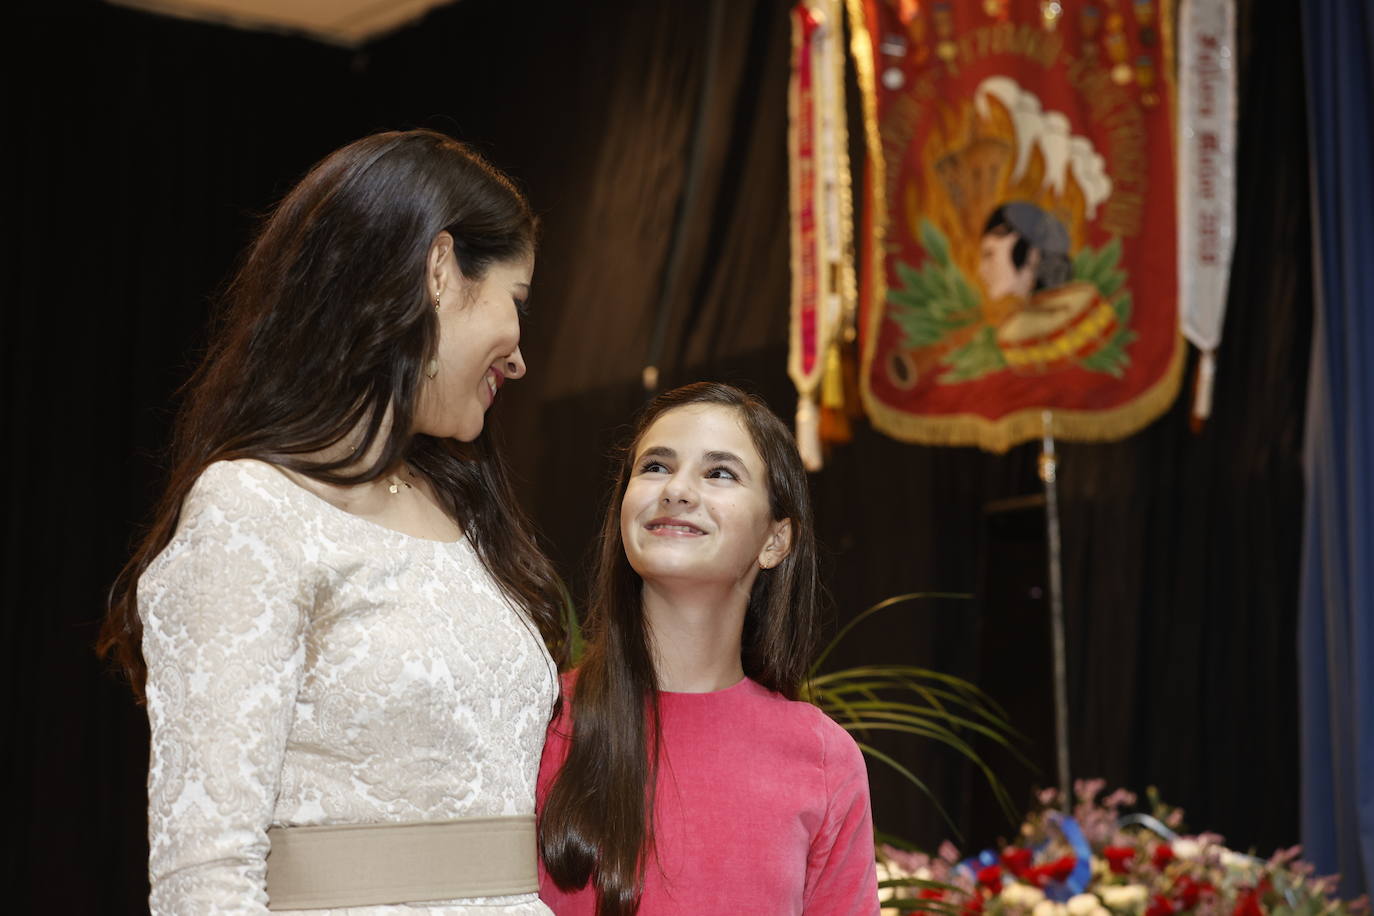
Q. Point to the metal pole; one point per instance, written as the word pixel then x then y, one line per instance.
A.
pixel 1049 476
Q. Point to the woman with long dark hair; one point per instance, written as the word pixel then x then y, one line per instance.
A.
pixel 683 775
pixel 339 618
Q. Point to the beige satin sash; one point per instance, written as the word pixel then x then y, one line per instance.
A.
pixel 377 864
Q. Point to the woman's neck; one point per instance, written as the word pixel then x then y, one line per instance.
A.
pixel 696 636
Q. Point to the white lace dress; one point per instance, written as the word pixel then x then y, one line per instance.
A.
pixel 306 666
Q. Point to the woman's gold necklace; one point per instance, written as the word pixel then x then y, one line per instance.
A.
pixel 397 482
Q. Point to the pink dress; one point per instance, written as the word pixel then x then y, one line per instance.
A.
pixel 762 808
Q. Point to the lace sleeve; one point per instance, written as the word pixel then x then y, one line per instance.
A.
pixel 224 609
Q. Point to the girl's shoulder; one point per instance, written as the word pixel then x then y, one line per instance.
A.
pixel 835 746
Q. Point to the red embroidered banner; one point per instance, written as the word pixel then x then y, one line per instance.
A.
pixel 1018 250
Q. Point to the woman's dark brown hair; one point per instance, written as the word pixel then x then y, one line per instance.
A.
pixel 326 329
pixel 596 823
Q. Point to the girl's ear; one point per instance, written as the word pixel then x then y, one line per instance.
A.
pixel 778 545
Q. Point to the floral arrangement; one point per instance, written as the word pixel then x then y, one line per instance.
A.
pixel 1097 862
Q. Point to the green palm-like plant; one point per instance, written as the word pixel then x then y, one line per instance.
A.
pixel 916 701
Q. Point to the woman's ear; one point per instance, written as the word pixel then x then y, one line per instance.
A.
pixel 778 545
pixel 441 264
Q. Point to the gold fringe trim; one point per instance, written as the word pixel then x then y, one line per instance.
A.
pixel 861 46
pixel 1025 425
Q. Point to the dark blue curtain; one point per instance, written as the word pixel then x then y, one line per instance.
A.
pixel 1337 613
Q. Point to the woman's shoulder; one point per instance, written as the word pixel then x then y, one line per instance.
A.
pixel 240 475
pixel 250 482
pixel 245 493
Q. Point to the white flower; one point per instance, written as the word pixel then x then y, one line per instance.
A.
pixel 1235 861
pixel 1022 895
pixel 1124 896
pixel 1048 908
pixel 1083 904
pixel 1101 911
pixel 1186 848
pixel 923 873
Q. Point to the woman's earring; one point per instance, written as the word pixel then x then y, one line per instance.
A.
pixel 432 369
pixel 436 302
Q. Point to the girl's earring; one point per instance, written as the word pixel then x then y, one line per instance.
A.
pixel 436 302
pixel 432 369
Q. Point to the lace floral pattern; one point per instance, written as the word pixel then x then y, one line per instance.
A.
pixel 306 667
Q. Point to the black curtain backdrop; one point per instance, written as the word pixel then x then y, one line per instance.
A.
pixel 142 149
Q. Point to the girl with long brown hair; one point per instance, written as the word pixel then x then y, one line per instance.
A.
pixel 683 775
pixel 339 618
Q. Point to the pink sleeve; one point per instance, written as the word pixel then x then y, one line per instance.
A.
pixel 841 877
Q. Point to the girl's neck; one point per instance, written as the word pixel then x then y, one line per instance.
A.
pixel 696 636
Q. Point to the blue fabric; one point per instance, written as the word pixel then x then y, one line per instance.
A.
pixel 1336 639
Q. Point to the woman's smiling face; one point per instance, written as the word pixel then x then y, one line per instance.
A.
pixel 697 505
pixel 479 347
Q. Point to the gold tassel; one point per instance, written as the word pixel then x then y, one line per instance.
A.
pixel 834 421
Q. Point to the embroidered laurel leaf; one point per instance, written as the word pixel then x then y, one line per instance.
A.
pixel 965 294
pixel 1124 305
pixel 1112 358
pixel 935 243
pixel 1110 255
pixel 979 357
pixel 908 276
pixel 1111 283
pixel 1098 266
pixel 1085 264
pixel 919 330
pixel 931 302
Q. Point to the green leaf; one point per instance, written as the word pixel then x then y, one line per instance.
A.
pixel 935 243
pixel 1111 283
pixel 1099 266
pixel 870 611
pixel 1124 305
pixel 576 644
pixel 914 780
pixel 1110 255
pixel 1112 358
pixel 975 359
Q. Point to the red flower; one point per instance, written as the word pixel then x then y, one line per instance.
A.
pixel 1164 854
pixel 1189 890
pixel 1016 860
pixel 991 878
pixel 973 906
pixel 1161 906
pixel 1060 869
pixel 931 893
pixel 1119 858
pixel 1248 905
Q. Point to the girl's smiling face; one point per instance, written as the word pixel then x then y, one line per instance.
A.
pixel 697 506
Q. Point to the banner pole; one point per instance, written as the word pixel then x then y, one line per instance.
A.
pixel 1048 467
